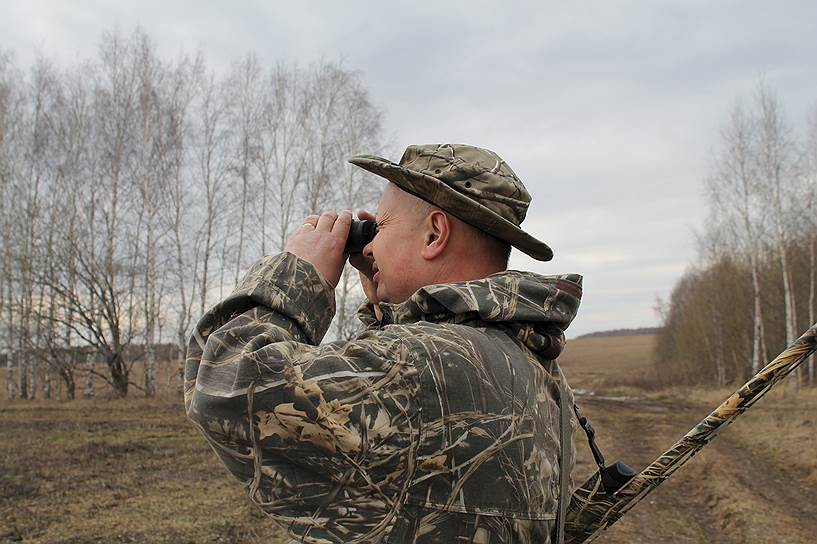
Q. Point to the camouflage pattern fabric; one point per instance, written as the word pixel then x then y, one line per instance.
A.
pixel 438 424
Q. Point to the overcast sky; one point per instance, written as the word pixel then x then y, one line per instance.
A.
pixel 607 111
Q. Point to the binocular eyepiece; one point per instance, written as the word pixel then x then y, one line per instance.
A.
pixel 360 234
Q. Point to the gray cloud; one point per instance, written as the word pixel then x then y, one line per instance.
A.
pixel 607 111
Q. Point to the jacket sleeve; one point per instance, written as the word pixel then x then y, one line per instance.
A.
pixel 294 421
pixel 281 299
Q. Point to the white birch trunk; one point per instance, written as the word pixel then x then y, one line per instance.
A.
pixel 758 342
pixel 788 295
pixel 88 392
pixel 150 320
pixel 32 376
pixel 22 384
pixel 150 368
pixel 180 363
pixel 777 173
pixel 150 315
pixel 11 389
pixel 734 190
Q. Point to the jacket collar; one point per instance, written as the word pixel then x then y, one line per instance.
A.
pixel 535 309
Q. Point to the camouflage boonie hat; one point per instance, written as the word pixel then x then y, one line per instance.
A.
pixel 472 184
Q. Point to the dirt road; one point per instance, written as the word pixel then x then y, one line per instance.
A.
pixel 726 494
pixel 732 492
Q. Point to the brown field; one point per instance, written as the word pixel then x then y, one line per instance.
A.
pixel 107 470
pixel 102 470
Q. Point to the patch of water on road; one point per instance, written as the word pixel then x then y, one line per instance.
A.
pixel 591 393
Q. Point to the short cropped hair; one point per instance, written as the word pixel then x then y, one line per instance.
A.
pixel 499 250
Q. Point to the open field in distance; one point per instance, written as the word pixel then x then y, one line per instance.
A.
pixel 94 471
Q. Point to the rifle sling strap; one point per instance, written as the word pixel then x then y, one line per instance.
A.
pixel 564 464
pixel 591 437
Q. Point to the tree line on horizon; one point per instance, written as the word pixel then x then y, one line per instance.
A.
pixel 135 191
pixel 752 291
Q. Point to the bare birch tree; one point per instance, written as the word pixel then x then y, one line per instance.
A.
pixel 810 175
pixel 9 123
pixel 179 209
pixel 759 238
pixel 775 157
pixel 73 134
pixel 245 95
pixel 281 155
pixel 734 190
pixel 323 91
pixel 132 190
pixel 211 142
pixel 152 167
pixel 95 269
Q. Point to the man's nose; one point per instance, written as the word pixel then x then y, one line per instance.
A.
pixel 367 250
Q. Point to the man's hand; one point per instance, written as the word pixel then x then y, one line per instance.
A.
pixel 321 240
pixel 364 268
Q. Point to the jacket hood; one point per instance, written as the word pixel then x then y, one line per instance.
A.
pixel 535 309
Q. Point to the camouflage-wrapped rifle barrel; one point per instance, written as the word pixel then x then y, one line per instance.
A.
pixel 592 510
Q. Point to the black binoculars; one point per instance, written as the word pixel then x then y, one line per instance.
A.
pixel 360 234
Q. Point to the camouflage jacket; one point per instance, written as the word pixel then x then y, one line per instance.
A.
pixel 438 424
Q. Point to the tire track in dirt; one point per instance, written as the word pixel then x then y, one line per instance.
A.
pixel 636 431
pixel 726 494
pixel 765 502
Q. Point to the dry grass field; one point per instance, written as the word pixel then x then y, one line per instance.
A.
pixel 116 471
pixel 102 470
pixel 610 362
pixel 107 470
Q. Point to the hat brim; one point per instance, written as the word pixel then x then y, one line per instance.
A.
pixel 459 205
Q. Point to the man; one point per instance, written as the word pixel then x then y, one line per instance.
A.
pixel 440 421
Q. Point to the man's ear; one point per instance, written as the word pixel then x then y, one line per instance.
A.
pixel 437 233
